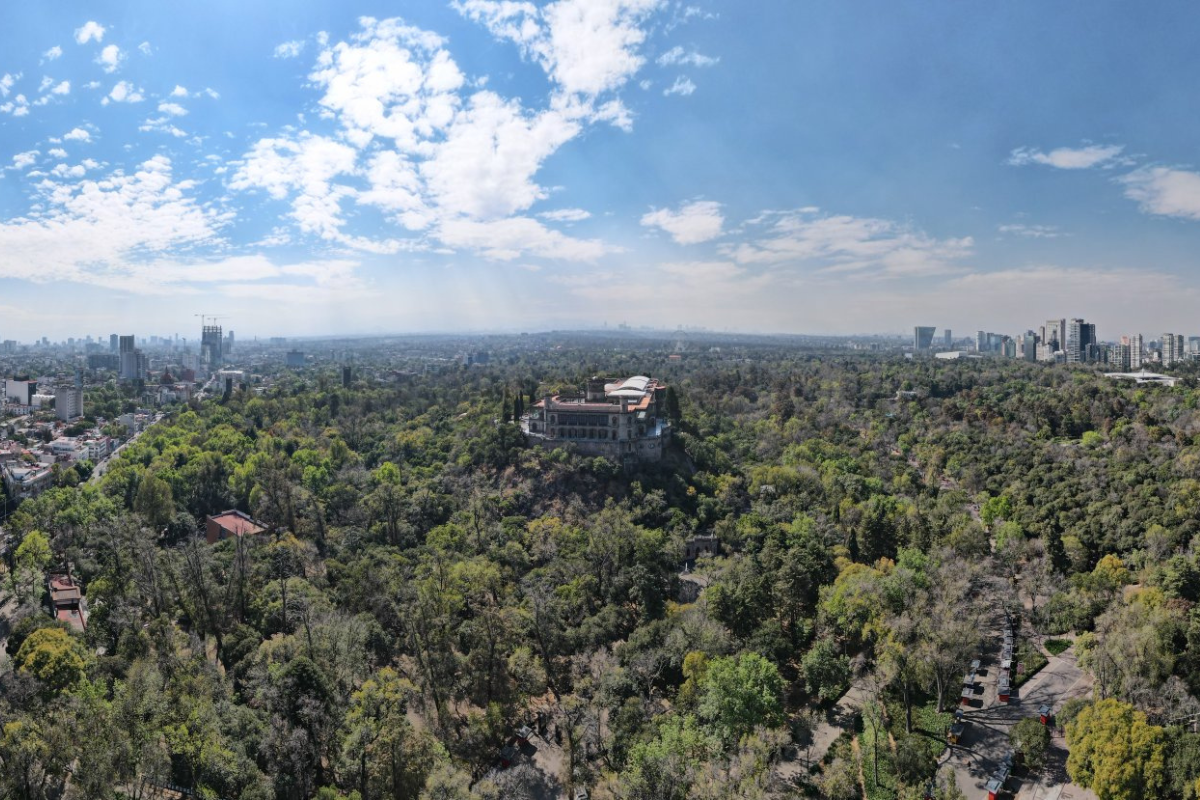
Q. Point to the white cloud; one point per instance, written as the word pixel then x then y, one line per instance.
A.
pixel 145 49
pixel 68 171
pixel 77 135
pixel 1165 191
pixel 677 56
pixel 586 47
pixel 174 109
pixel 1092 155
pixel 682 86
pixel 52 53
pixel 99 231
pixel 565 215
pixel 696 222
pixel 392 81
pixel 854 246
pixel 57 152
pixel 124 92
pixel 1030 231
pixel 485 168
pixel 508 239
pixel 179 91
pixel 162 124
pixel 110 58
pixel 62 88
pixel 306 168
pixel 6 84
pixel 26 159
pixel 289 49
pixel 91 31
pixel 446 158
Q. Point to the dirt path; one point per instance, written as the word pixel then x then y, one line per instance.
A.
pixel 836 720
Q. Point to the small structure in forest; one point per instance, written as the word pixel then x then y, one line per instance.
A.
pixel 230 523
pixel 66 601
pixel 697 546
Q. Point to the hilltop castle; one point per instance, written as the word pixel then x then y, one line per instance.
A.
pixel 622 420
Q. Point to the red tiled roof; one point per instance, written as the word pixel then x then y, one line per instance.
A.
pixel 237 523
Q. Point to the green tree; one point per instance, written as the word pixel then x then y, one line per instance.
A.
pixel 55 658
pixel 740 693
pixel 1115 752
pixel 673 411
pixel 385 755
pixel 32 557
pixel 826 671
pixel 155 501
pixel 1031 739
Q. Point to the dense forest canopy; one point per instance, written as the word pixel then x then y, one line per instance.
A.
pixel 428 582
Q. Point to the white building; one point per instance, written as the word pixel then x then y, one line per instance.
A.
pixel 68 403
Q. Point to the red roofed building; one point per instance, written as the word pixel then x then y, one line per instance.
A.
pixel 66 601
pixel 230 523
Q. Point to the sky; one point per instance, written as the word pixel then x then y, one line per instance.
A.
pixel 358 167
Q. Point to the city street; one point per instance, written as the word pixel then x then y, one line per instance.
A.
pixel 102 465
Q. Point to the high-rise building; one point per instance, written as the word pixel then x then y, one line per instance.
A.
pixel 1136 351
pixel 1081 342
pixel 68 403
pixel 1027 345
pixel 1055 334
pixel 923 338
pixel 1118 355
pixel 211 345
pixel 1172 349
pixel 132 362
pixel 948 339
pixel 113 340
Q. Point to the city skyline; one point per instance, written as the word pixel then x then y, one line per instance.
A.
pixel 475 166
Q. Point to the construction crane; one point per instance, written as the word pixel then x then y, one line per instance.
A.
pixel 204 317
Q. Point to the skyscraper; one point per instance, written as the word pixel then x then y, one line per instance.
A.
pixel 1056 334
pixel 923 338
pixel 1080 342
pixel 948 339
pixel 1136 351
pixel 132 362
pixel 1172 349
pixel 211 343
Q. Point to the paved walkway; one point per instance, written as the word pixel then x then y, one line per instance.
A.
pixel 985 740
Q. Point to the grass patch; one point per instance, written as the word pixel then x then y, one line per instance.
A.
pixel 885 787
pixel 1032 659
pixel 927 720
pixel 1056 646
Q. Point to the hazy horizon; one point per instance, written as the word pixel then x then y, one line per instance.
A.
pixel 479 166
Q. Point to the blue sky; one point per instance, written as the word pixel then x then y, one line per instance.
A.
pixel 360 167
